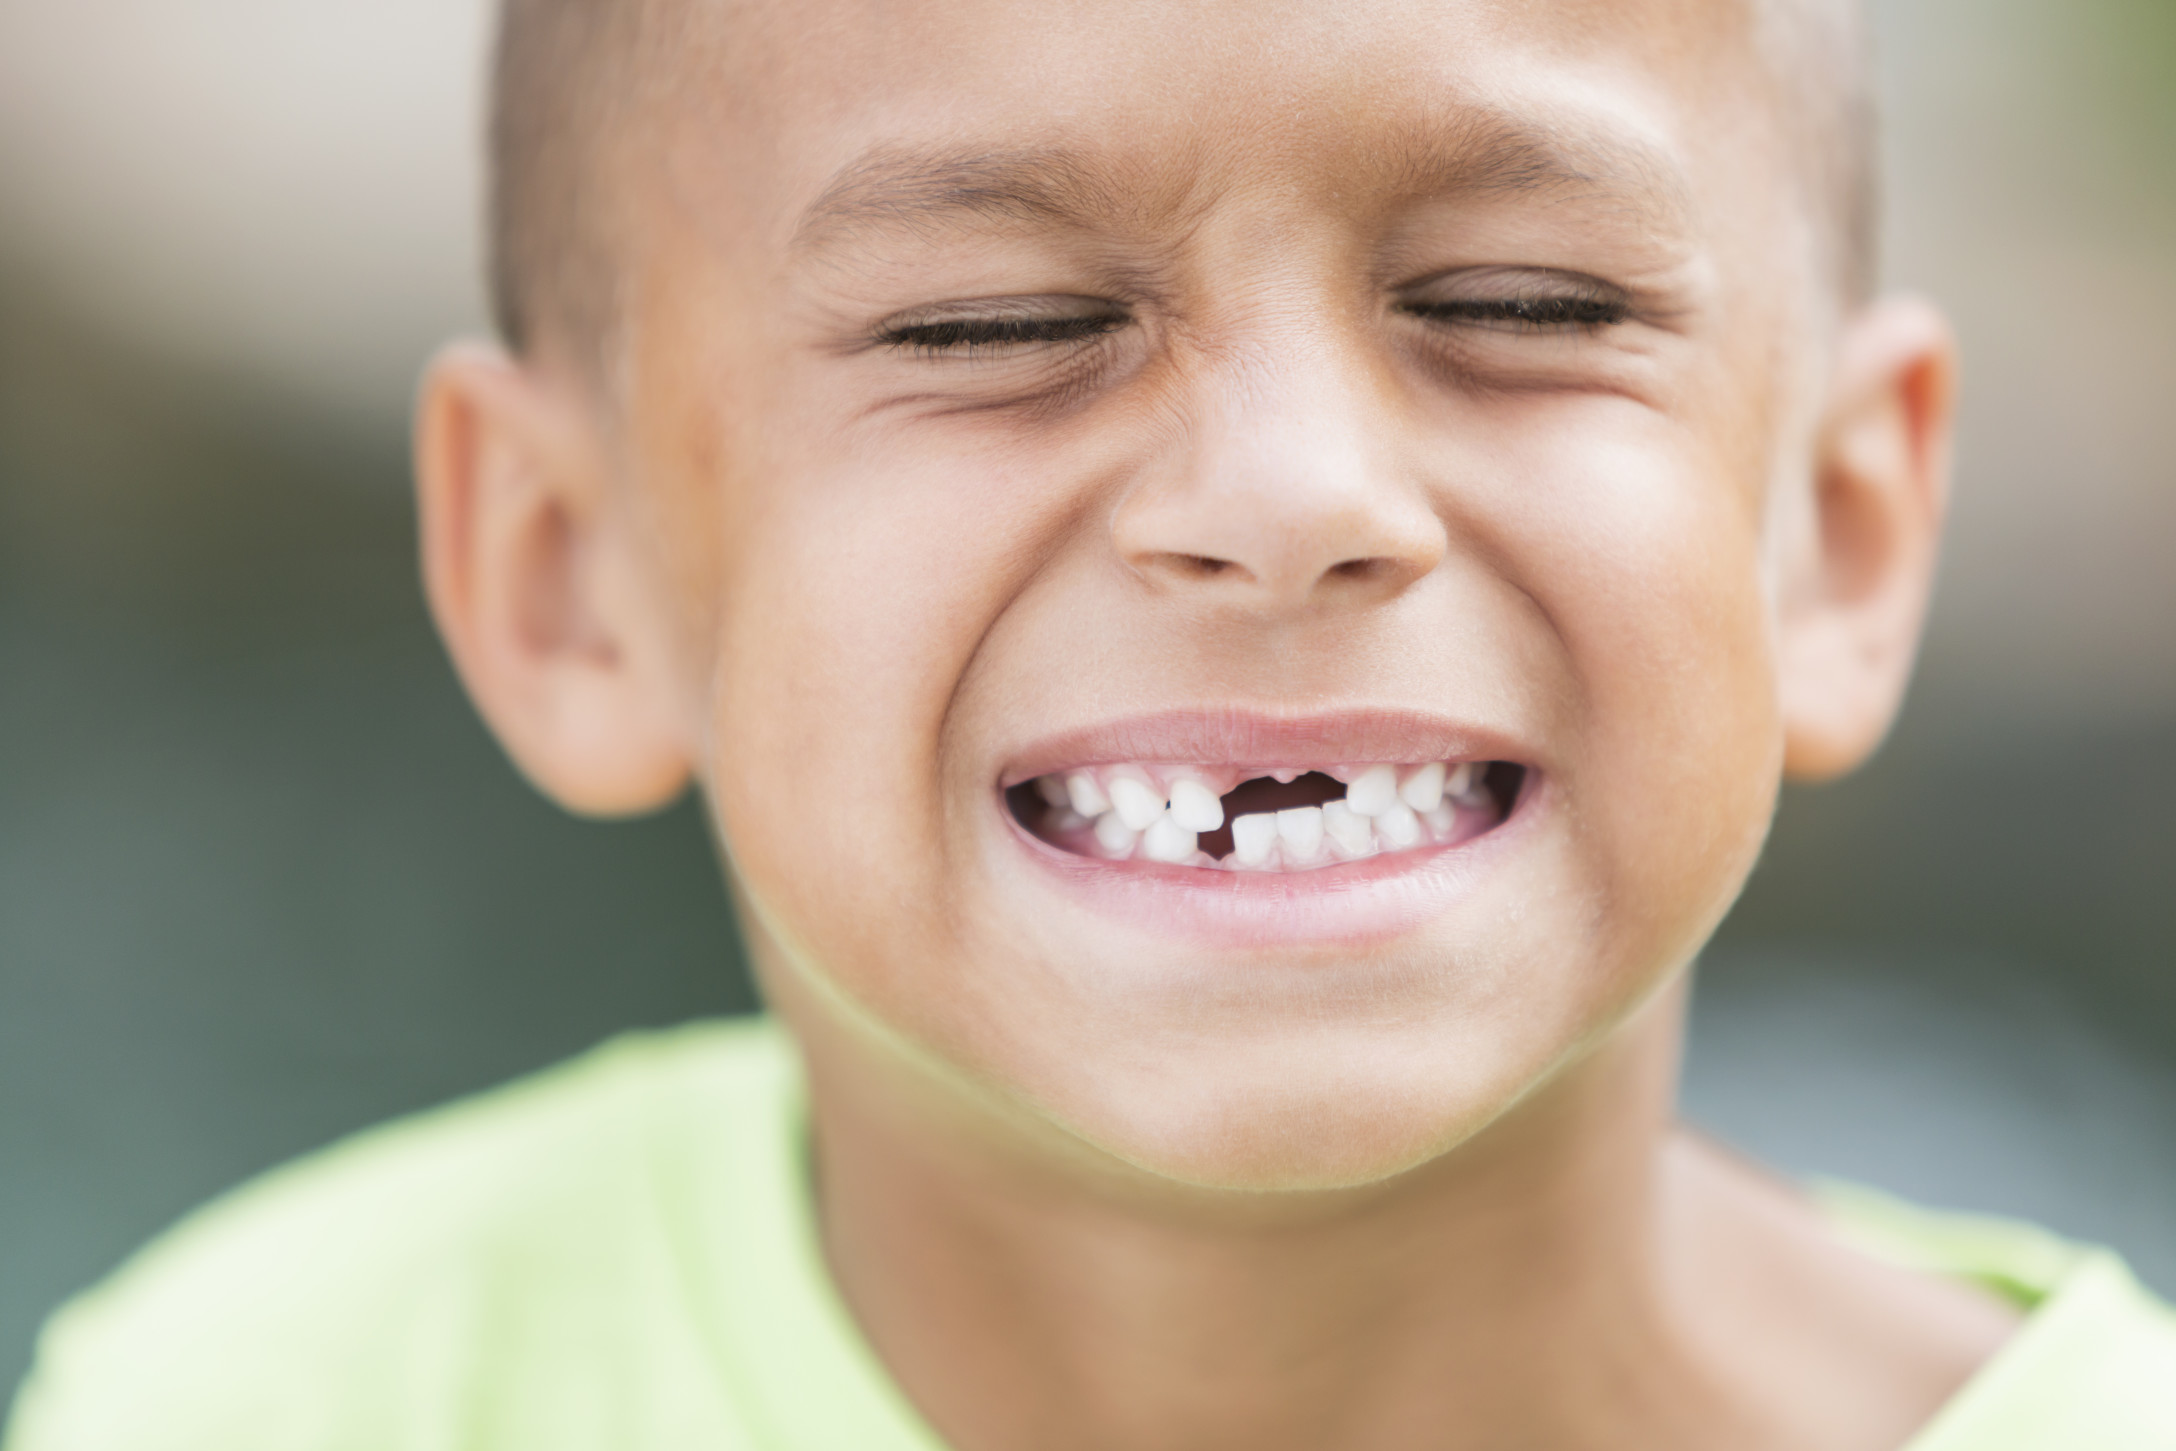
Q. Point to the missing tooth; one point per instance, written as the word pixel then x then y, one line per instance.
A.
pixel 1262 823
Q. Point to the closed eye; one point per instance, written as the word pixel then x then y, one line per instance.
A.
pixel 970 335
pixel 1524 314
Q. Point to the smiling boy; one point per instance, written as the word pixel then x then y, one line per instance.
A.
pixel 1239 580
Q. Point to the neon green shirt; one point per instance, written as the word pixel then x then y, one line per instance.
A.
pixel 620 1253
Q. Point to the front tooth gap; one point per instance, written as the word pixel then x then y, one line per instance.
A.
pixel 1132 815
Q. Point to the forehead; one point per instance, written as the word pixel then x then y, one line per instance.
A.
pixel 835 113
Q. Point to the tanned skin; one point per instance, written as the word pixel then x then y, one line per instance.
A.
pixel 1094 1178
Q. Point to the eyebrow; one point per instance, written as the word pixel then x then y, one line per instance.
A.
pixel 1476 151
pixel 898 186
pixel 1488 151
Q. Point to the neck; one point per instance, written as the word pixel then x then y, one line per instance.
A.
pixel 1518 1290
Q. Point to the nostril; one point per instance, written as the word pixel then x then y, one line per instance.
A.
pixel 1193 566
pixel 1373 568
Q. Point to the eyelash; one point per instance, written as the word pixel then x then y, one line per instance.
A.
pixel 969 335
pixel 1518 314
pixel 1526 314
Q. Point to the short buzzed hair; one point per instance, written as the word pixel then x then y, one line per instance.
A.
pixel 570 76
pixel 1820 55
pixel 567 76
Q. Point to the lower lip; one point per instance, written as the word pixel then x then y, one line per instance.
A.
pixel 1355 905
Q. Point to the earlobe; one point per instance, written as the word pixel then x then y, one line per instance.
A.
pixel 538 583
pixel 1860 567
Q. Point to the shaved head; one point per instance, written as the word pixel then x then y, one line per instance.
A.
pixel 570 80
pixel 576 84
pixel 1819 56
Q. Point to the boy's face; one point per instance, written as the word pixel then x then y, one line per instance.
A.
pixel 1018 390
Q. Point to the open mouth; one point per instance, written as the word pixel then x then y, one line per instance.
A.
pixel 1285 819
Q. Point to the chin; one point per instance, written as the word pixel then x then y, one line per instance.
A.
pixel 1294 1117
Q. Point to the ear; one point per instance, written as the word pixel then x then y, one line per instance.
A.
pixel 538 584
pixel 1859 563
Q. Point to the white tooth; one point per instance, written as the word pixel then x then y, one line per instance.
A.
pixel 1301 831
pixel 1087 797
pixel 1136 802
pixel 1052 790
pixel 1194 806
pixel 1398 827
pixel 1348 830
pixel 1465 781
pixel 1442 822
pixel 1423 790
pixel 1167 841
pixel 1114 836
pixel 1065 818
pixel 1254 836
pixel 1374 791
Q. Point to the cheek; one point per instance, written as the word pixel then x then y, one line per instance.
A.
pixel 1648 569
pixel 855 595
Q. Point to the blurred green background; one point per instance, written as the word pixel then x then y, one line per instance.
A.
pixel 263 878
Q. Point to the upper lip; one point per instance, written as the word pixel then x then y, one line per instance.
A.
pixel 1264 740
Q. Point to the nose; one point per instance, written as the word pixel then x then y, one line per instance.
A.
pixel 1281 496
